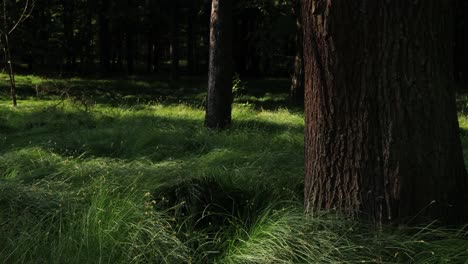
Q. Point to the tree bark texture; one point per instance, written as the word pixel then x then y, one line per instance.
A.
pixel 381 137
pixel 219 100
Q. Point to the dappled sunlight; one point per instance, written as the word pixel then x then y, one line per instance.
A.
pixel 133 178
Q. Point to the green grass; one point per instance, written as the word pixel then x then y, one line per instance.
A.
pixel 136 178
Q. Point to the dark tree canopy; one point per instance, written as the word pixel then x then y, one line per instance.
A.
pixel 141 37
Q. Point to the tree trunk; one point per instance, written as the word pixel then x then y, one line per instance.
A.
pixel 219 100
pixel 461 43
pixel 9 67
pixel 297 82
pixel 149 52
pixel 156 56
pixel 174 40
pixel 130 53
pixel 381 136
pixel 104 36
pixel 67 16
pixel 191 37
pixel 87 57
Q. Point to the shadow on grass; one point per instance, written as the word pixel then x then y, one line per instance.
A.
pixel 268 94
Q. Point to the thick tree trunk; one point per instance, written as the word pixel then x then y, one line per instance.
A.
pixel 219 100
pixel 297 80
pixel 381 135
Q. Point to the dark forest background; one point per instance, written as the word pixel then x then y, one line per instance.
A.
pixel 168 38
pixel 121 147
pixel 150 37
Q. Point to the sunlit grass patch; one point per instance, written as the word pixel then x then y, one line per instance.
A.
pixel 146 182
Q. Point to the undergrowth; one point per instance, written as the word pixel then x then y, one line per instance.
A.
pixel 147 183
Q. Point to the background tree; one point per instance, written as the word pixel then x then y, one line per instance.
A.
pixel 219 99
pixel 381 124
pixel 11 21
pixel 68 15
pixel 297 82
pixel 104 35
pixel 174 38
pixel 168 38
pixel 461 42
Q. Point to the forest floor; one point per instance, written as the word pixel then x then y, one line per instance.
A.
pixel 123 171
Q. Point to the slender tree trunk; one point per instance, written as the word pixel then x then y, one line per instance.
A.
pixel 5 45
pixel 239 45
pixel 130 53
pixel 149 52
pixel 461 43
pixel 381 136
pixel 156 56
pixel 9 66
pixel 119 52
pixel 87 56
pixel 219 100
pixel 174 40
pixel 67 16
pixel 297 81
pixel 104 36
pixel 191 38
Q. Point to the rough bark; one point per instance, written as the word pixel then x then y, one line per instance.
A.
pixel 381 136
pixel 219 100
pixel 297 80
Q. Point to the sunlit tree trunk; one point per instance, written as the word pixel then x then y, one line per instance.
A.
pixel 381 137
